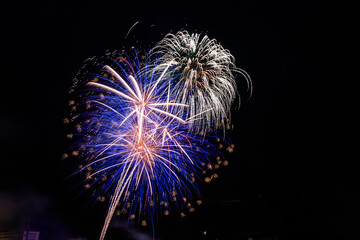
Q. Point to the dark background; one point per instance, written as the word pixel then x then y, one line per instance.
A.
pixel 289 177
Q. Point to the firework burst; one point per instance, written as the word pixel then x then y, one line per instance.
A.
pixel 136 146
pixel 205 79
pixel 144 128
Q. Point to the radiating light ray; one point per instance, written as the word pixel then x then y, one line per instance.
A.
pixel 122 81
pixel 111 90
pixel 167 65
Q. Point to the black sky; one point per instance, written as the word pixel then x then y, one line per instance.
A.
pixel 288 177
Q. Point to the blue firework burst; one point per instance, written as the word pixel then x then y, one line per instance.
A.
pixel 134 140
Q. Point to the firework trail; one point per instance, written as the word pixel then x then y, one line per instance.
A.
pixel 205 77
pixel 131 28
pixel 136 144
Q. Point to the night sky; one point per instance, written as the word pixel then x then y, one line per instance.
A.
pixel 289 177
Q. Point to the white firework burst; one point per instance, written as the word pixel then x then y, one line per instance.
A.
pixel 205 81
